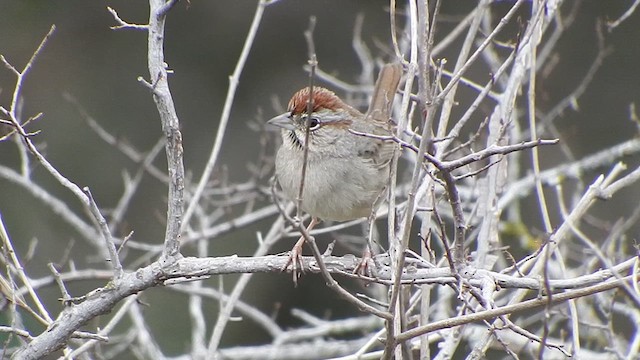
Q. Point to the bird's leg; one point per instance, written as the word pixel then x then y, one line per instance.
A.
pixel 295 255
pixel 366 264
pixel 364 268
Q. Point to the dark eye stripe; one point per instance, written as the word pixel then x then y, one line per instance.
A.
pixel 294 139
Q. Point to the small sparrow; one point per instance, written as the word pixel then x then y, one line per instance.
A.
pixel 345 172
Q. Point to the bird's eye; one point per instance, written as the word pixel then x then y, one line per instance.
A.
pixel 314 123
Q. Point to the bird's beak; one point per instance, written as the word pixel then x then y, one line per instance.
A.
pixel 283 121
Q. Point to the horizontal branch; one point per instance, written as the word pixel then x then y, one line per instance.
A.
pixel 194 268
pixel 511 309
pixel 467 159
pixel 495 150
pixel 103 300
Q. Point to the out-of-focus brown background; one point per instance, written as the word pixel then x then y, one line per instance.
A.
pixel 99 67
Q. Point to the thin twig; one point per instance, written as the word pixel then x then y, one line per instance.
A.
pixel 106 235
pixel 313 63
pixel 234 80
pixel 123 24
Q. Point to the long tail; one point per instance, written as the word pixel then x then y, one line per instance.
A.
pixel 384 91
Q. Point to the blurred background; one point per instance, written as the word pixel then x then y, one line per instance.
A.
pixel 98 67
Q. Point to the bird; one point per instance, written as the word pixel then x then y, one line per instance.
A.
pixel 347 170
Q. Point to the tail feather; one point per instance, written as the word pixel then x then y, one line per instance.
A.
pixel 384 91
